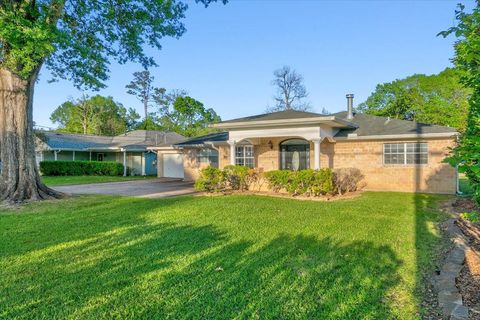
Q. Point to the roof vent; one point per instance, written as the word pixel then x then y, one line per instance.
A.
pixel 350 106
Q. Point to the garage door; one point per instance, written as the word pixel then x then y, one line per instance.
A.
pixel 173 165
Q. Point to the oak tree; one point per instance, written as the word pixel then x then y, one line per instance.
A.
pixel 76 40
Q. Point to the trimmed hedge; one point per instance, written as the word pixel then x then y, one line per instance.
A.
pixel 303 182
pixel 307 182
pixel 81 168
pixel 230 178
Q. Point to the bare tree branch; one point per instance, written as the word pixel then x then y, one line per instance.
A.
pixel 290 91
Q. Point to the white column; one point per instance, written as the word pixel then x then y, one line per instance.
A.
pixel 90 155
pixel 73 155
pixel 124 163
pixel 232 152
pixel 55 155
pixel 316 154
pixel 143 163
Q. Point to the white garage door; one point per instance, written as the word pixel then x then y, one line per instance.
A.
pixel 173 165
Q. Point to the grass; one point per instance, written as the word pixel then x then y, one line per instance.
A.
pixel 71 180
pixel 229 257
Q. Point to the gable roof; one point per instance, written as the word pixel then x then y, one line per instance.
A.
pixel 363 125
pixel 369 125
pixel 287 118
pixel 137 140
pixel 279 115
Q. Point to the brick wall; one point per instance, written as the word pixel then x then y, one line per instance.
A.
pixel 434 177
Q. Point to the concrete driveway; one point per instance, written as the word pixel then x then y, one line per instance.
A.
pixel 151 188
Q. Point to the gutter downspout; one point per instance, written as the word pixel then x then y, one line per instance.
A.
pixel 458 181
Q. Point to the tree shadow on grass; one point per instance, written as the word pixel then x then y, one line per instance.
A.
pixel 173 271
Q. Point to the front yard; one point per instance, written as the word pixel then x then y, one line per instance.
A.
pixel 74 180
pixel 218 257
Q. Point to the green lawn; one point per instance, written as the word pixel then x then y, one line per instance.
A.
pixel 117 257
pixel 69 180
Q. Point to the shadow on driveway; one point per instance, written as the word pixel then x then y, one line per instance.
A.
pixel 151 188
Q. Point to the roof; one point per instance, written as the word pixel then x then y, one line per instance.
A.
pixel 363 125
pixel 202 140
pixel 290 118
pixel 134 140
pixel 369 125
pixel 279 115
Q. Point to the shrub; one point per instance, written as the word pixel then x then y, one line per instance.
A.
pixel 473 217
pixel 237 177
pixel 211 180
pixel 81 168
pixel 309 182
pixel 277 179
pixel 347 180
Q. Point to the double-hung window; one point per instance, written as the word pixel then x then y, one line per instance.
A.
pixel 405 153
pixel 208 157
pixel 244 156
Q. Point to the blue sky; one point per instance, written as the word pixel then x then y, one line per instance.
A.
pixel 228 54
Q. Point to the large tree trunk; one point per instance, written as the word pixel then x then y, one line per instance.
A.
pixel 19 180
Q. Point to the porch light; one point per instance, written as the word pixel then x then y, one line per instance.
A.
pixel 270 144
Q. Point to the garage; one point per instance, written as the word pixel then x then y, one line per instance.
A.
pixel 173 165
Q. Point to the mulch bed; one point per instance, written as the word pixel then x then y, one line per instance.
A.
pixel 469 280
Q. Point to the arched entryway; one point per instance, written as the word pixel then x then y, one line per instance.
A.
pixel 294 154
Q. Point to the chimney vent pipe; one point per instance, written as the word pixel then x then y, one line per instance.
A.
pixel 350 106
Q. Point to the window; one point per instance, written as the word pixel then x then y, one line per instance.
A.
pixel 208 157
pixel 244 156
pixel 405 153
pixel 294 154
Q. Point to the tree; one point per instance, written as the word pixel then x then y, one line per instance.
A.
pixel 436 99
pixel 291 91
pixel 76 40
pixel 186 116
pixel 142 87
pixel 467 58
pixel 96 115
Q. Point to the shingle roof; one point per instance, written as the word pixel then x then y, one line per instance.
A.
pixel 134 140
pixel 369 125
pixel 213 137
pixel 279 115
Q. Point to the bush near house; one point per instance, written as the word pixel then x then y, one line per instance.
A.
pixel 307 182
pixel 81 168
pixel 303 182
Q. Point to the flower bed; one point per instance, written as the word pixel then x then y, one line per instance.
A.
pixel 305 183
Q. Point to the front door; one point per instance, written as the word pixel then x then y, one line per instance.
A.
pixel 295 156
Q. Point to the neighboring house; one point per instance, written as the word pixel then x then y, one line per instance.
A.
pixel 393 155
pixel 130 149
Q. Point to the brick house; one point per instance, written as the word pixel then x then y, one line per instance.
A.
pixel 393 155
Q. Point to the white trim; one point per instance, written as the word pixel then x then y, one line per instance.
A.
pixel 73 155
pixel 316 154
pixel 143 163
pixel 232 152
pixel 332 120
pixel 405 153
pixel 399 136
